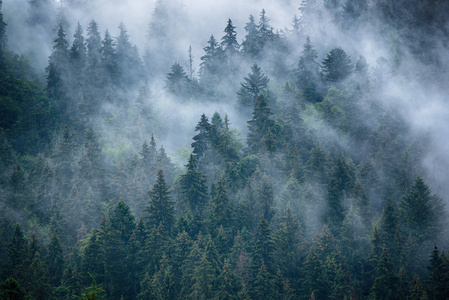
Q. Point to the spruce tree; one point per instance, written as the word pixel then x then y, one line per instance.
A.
pixel 253 85
pixel 423 212
pixel 308 72
pixel 193 187
pixel 57 70
pixel 229 40
pixel 177 81
pixel 336 66
pixel 250 48
pixel 386 283
pixel 55 261
pixel 161 208
pixel 202 138
pixel 259 125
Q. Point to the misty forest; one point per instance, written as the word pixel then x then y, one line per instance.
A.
pixel 218 150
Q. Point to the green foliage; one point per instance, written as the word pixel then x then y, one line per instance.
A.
pixel 161 208
pixel 336 66
pixel 253 85
pixel 10 289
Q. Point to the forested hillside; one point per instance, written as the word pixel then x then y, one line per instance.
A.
pixel 303 161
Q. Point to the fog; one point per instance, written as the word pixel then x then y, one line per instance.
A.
pixel 408 88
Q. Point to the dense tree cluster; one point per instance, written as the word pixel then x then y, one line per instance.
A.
pixel 319 194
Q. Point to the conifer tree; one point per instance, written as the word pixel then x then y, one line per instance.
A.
pixel 202 138
pixel 263 287
pixel 78 54
pixel 164 163
pixel 129 66
pixel 264 248
pixel 259 125
pixel 340 183
pixel 93 259
pixel 161 208
pixel 423 212
pixel 211 63
pixel 250 48
pixel 308 72
pixel 108 59
pixel 220 208
pixel 93 45
pixel 10 289
pixel 17 253
pixel 264 30
pixel 336 66
pixel 253 85
pixel 57 69
pixel 229 40
pixel 193 187
pixel 386 282
pixel 55 260
pixel 117 237
pixel 177 81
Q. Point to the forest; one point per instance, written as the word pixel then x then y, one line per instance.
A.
pixel 299 151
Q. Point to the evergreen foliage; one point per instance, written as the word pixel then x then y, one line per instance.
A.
pixel 91 207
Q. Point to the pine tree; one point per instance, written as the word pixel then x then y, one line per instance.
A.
pixel 228 284
pixel 336 66
pixel 17 253
pixel 93 45
pixel 250 48
pixel 177 81
pixel 340 183
pixel 253 85
pixel 423 212
pixel 386 283
pixel 259 125
pixel 78 54
pixel 439 275
pixel 264 30
pixel 10 289
pixel 211 63
pixel 220 208
pixel 93 259
pixel 202 138
pixel 19 196
pixel 162 282
pixel 229 40
pixel 55 260
pixel 38 279
pixel 193 187
pixel 308 72
pixel 264 248
pixel 289 243
pixel 161 208
pixel 108 59
pixel 117 235
pixel 129 66
pixel 263 287
pixel 164 163
pixel 57 69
